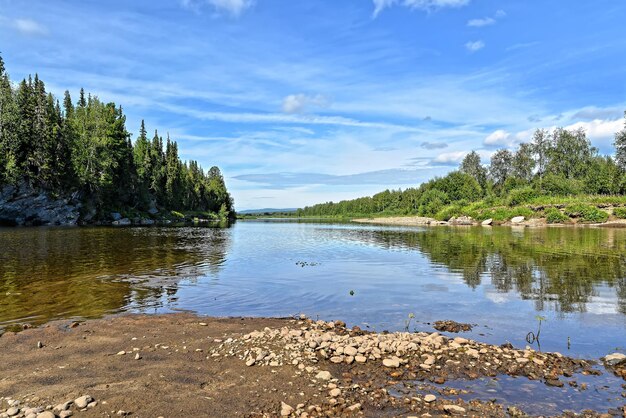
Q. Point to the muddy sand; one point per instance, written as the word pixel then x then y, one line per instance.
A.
pixel 182 365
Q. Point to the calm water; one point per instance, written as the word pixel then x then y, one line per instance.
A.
pixel 497 278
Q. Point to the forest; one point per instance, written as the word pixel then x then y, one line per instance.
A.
pixel 84 148
pixel 559 166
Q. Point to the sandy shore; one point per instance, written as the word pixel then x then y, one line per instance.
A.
pixel 185 365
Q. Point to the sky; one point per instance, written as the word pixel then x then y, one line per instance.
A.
pixel 301 102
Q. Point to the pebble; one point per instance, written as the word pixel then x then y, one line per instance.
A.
pixel 355 407
pixel 360 359
pixel 430 398
pixel 13 411
pixel 391 362
pixel 46 414
pixel 454 409
pixel 121 353
pixel 250 362
pixel 350 351
pixel 323 375
pixel 83 401
pixel 285 410
pixel 137 356
pixel 39 344
pixel 65 414
pixel 334 393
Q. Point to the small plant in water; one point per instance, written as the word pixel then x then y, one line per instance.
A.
pixel 531 337
pixel 407 322
pixel 352 293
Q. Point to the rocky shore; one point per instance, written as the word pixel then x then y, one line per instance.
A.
pixel 519 221
pixel 184 365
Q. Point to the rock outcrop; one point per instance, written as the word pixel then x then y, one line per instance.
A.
pixel 25 205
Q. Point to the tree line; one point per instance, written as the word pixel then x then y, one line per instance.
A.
pixel 561 162
pixel 85 147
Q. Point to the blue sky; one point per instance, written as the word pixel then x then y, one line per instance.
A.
pixel 300 102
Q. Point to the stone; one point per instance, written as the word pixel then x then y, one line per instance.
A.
pixel 355 407
pixel 83 401
pixel 116 216
pixel 121 353
pixel 350 351
pixel 39 344
pixel 137 356
pixel 46 414
pixel 487 222
pixel 13 411
pixel 430 398
pixel 122 222
pixel 250 362
pixel 453 409
pixel 63 406
pixel 334 393
pixel 360 359
pixel 614 359
pixel 285 410
pixel 65 414
pixel 323 375
pixel 517 219
pixel 391 362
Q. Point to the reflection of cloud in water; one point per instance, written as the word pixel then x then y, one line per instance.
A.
pixel 499 297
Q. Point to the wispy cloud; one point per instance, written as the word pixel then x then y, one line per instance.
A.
pixel 450 158
pixel 433 145
pixel 232 7
pixel 478 23
pixel 298 103
pixel 427 5
pixel 28 27
pixel 486 21
pixel 474 46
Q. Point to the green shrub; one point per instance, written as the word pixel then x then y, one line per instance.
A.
pixel 522 195
pixel 448 212
pixel 620 212
pixel 586 213
pixel 553 184
pixel 505 214
pixel 555 216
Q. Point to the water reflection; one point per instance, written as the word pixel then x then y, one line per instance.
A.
pixel 88 272
pixel 558 268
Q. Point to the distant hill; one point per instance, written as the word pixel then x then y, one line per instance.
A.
pixel 266 210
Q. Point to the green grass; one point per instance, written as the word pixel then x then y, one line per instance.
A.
pixel 555 216
pixel 620 213
pixel 586 213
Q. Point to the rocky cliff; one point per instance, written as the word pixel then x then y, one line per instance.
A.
pixel 25 205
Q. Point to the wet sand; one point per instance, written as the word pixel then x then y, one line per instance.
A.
pixel 186 365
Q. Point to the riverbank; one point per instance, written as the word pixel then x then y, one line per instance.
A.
pixel 467 221
pixel 186 365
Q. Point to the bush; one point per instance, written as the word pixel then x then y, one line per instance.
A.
pixel 505 214
pixel 522 195
pixel 586 213
pixel 448 212
pixel 555 216
pixel 558 185
pixel 620 212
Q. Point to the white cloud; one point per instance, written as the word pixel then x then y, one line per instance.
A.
pixel 427 5
pixel 486 21
pixel 474 46
pixel 499 137
pixel 297 103
pixel 232 7
pixel 477 23
pixel 599 129
pixel 450 157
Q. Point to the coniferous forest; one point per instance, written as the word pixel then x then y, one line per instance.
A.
pixel 83 147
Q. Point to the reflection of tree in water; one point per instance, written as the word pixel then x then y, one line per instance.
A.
pixel 558 268
pixel 89 272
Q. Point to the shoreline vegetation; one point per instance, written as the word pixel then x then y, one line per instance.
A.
pixel 74 163
pixel 557 178
pixel 188 365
